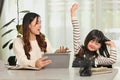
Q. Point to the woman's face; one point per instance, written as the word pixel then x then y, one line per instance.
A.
pixel 35 26
pixel 93 45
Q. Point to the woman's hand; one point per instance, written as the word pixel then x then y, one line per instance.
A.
pixel 110 43
pixel 73 9
pixel 62 49
pixel 42 62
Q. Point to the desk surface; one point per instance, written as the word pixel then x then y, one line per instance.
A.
pixel 52 74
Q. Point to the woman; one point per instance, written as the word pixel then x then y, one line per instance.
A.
pixel 95 45
pixel 30 48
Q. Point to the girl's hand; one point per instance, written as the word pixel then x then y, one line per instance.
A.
pixel 42 62
pixel 110 43
pixel 73 9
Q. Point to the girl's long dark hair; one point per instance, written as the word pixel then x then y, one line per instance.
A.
pixel 28 18
pixel 98 35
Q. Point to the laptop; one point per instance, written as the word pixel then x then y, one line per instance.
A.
pixel 59 60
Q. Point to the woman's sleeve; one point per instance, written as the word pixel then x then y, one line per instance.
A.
pixel 100 60
pixel 20 54
pixel 49 48
pixel 76 35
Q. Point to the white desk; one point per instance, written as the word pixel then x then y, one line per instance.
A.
pixel 52 74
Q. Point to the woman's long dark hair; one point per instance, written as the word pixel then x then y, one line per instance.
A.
pixel 100 37
pixel 28 18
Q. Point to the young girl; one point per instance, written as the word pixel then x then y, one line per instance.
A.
pixel 95 45
pixel 33 44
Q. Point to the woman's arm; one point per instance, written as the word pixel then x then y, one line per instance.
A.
pixel 20 54
pixel 76 31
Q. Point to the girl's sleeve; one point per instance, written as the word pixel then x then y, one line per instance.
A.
pixel 100 60
pixel 20 54
pixel 76 35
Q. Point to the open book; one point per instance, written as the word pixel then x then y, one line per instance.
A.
pixel 22 68
pixel 101 70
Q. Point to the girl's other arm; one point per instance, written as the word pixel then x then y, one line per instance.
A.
pixel 113 55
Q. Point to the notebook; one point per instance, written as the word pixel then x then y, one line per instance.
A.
pixel 17 67
pixel 59 60
pixel 101 70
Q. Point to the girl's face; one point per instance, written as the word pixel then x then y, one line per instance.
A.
pixel 93 45
pixel 35 26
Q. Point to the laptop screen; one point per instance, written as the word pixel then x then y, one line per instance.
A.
pixel 59 60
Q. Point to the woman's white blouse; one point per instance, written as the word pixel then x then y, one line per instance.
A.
pixel 35 53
